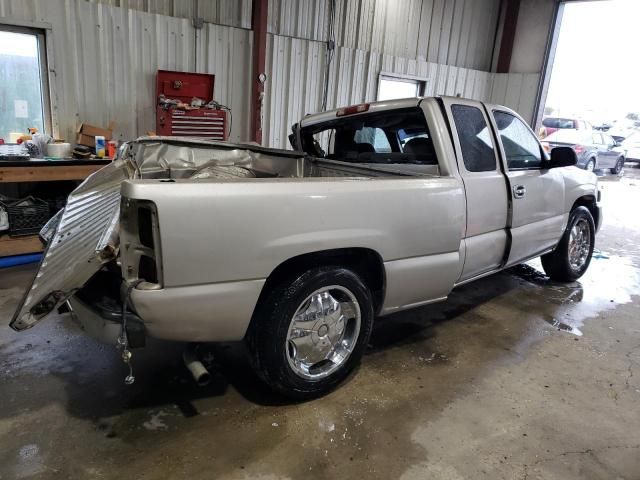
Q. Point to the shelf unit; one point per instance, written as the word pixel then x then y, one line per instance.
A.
pixel 40 171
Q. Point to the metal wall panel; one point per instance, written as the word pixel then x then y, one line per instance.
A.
pixel 294 85
pixel 453 32
pixel 104 59
pixel 295 71
pixel 517 91
pixel 226 52
pixel 172 8
pixel 235 13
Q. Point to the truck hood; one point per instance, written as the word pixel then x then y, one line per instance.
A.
pixel 85 234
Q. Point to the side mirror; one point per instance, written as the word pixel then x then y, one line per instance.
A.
pixel 562 157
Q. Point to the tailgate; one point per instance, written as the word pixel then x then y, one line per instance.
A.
pixel 84 239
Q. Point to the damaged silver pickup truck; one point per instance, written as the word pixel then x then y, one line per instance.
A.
pixel 381 207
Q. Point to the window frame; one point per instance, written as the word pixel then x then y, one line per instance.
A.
pixel 308 132
pixel 40 32
pixel 503 153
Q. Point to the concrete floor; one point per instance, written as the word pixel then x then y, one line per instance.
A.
pixel 513 377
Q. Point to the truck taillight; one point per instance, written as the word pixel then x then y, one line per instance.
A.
pixel 578 149
pixel 140 243
pixel 363 107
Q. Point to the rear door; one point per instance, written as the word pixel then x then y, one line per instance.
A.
pixel 485 241
pixel 536 194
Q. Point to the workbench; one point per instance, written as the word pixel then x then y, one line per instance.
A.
pixel 36 170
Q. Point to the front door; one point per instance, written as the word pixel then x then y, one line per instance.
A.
pixel 600 147
pixel 537 194
pixel 485 241
pixel 609 150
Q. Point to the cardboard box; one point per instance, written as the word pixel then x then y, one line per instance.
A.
pixel 86 134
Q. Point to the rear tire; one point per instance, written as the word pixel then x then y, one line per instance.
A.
pixel 310 331
pixel 591 165
pixel 619 166
pixel 572 255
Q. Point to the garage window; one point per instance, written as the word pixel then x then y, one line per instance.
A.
pixel 392 87
pixel 23 81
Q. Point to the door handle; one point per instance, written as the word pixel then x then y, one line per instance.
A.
pixel 519 191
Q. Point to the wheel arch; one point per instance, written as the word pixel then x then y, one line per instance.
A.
pixel 367 263
pixel 588 201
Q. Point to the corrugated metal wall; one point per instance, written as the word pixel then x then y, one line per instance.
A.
pixel 295 70
pixel 226 52
pixel 517 91
pixel 232 13
pixel 452 32
pixel 104 58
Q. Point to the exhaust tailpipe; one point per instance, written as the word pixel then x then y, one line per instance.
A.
pixel 198 371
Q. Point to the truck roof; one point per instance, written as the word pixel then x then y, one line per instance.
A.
pixel 372 107
pixel 312 119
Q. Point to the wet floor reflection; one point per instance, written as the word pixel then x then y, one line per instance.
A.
pixel 610 281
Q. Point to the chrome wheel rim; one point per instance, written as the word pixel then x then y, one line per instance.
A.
pixel 590 166
pixel 579 244
pixel 323 332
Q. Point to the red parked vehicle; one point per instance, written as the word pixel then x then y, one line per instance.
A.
pixel 553 124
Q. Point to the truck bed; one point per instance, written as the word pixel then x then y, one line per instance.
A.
pixel 171 158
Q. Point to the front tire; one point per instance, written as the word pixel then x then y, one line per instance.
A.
pixel 619 166
pixel 310 331
pixel 572 256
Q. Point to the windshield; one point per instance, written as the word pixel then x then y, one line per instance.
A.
pixel 391 137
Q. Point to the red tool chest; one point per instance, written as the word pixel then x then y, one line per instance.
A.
pixel 174 114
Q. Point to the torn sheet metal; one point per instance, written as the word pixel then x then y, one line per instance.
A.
pixel 82 243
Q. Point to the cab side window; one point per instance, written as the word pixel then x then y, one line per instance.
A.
pixel 478 153
pixel 520 146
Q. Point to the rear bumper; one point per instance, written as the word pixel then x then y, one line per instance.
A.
pixel 105 325
pixel 214 312
pixel 198 313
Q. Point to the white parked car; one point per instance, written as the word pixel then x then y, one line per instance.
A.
pixel 632 146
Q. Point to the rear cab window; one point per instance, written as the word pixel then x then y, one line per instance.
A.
pixel 477 149
pixel 395 137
